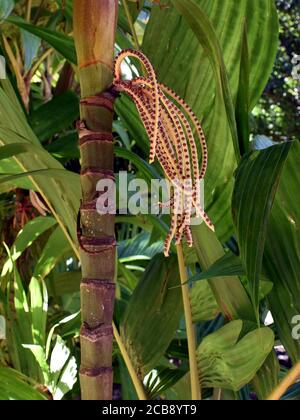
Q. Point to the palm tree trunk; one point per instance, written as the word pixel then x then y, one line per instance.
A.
pixel 94 32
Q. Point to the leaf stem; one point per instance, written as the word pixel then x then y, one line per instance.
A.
pixel 134 377
pixel 195 383
pixel 131 24
pixel 289 380
pixel 28 12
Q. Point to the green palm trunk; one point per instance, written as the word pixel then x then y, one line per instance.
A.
pixel 94 32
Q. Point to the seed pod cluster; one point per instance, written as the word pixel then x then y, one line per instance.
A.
pixel 170 124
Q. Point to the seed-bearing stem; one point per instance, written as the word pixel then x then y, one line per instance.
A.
pixel 171 140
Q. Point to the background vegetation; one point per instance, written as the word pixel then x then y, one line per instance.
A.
pixel 247 273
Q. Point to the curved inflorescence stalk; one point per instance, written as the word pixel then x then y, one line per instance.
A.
pixel 170 124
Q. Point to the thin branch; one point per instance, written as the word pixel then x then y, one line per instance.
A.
pixel 134 377
pixel 289 380
pixel 194 373
pixel 28 12
pixel 39 62
pixel 131 24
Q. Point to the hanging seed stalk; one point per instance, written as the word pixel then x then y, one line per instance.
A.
pixel 170 124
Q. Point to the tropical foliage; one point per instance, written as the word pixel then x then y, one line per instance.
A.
pixel 244 278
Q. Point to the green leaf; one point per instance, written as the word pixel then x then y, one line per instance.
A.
pixel 69 320
pixel 203 302
pixel 242 108
pixel 229 291
pixel 147 170
pixel 15 149
pixel 204 31
pixel 255 188
pixel 267 378
pixel 55 115
pixel 128 390
pixel 6 7
pixel 135 7
pixel 226 266
pixel 40 356
pixel 227 361
pixel 126 277
pixel 65 147
pixel 31 231
pixel 57 174
pixel 182 64
pixel 60 284
pixel 15 386
pixel 19 327
pixel 67 380
pixel 38 309
pixel 55 249
pixel 153 314
pixel 63 369
pixel 60 42
pixel 62 196
pixel 127 112
pixel 138 248
pixel 282 254
pixel 31 45
pixel 67 7
pixel 161 379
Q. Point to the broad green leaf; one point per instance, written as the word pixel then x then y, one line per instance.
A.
pixel 15 149
pixel 64 283
pixel 130 118
pixel 128 391
pixel 282 255
pixel 6 7
pixel 119 129
pixel 54 173
pixel 64 321
pixel 227 361
pixel 242 108
pixel 31 45
pixel 181 63
pixel 59 356
pixel 40 356
pixel 229 291
pixel 19 326
pixel 207 37
pixel 31 231
pixel 63 369
pixel 147 170
pixel 15 386
pixel 267 378
pixel 256 183
pixel 59 41
pixel 161 379
pixel 138 248
pixel 147 222
pixel 226 266
pixel 67 379
pixel 126 277
pixel 203 302
pixel 55 249
pixel 22 313
pixel 55 115
pixel 153 314
pixel 65 147
pixel 38 309
pixel 61 196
